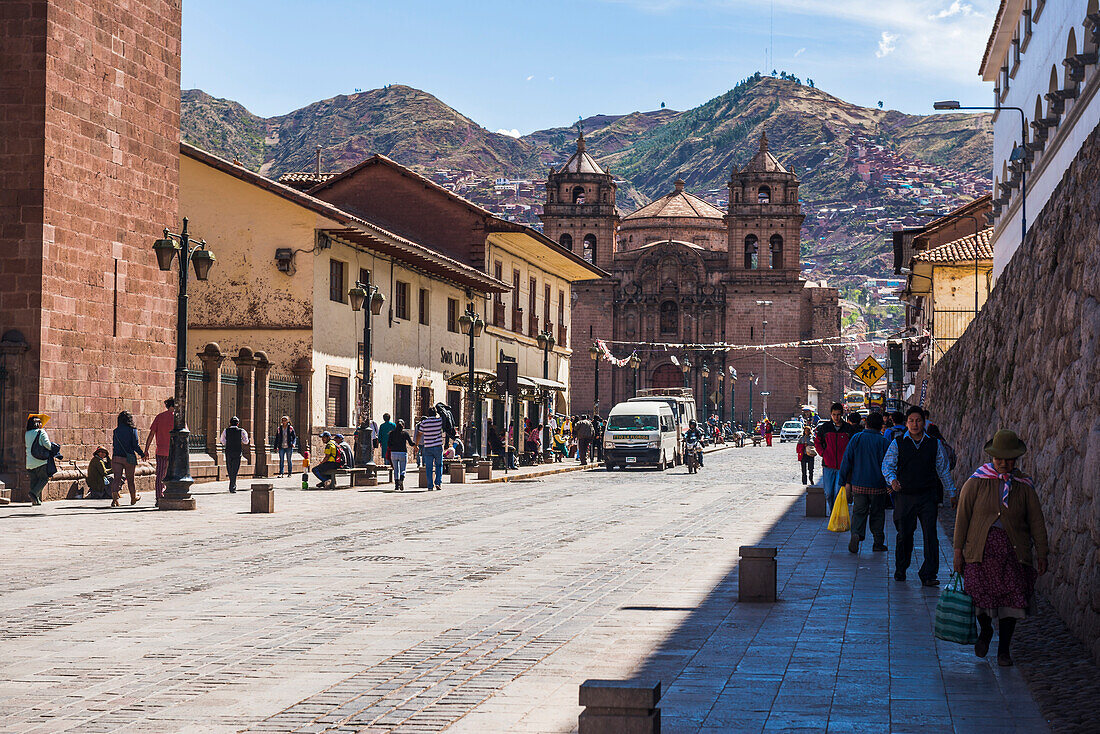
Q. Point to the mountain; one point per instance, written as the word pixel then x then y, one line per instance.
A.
pixel 863 170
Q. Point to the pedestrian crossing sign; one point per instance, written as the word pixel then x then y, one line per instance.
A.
pixel 869 371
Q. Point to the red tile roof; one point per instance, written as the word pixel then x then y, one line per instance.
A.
pixel 961 250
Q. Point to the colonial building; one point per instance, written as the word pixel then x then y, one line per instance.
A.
pixel 1042 58
pixel 287 260
pixel 687 279
pixel 89 119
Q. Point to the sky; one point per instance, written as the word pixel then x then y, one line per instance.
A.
pixel 517 65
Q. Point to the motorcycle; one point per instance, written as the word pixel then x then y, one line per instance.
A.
pixel 692 456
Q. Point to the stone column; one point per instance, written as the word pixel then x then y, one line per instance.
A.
pixel 259 435
pixel 303 374
pixel 246 394
pixel 212 357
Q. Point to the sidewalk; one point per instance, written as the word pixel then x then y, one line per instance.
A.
pixel 846 647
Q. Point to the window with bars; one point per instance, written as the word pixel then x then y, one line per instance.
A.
pixel 424 304
pixel 561 307
pixel 452 315
pixel 546 305
pixel 337 281
pixel 401 300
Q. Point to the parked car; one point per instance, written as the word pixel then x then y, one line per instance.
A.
pixel 790 431
pixel 640 433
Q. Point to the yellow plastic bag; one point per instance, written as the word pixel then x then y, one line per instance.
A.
pixel 839 521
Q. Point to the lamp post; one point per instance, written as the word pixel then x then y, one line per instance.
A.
pixel 752 389
pixel 977 226
pixel 594 353
pixel 719 376
pixel 545 341
pixel 1019 153
pixel 364 434
pixel 764 338
pixel 178 481
pixel 733 394
pixel 471 324
pixel 685 366
pixel 635 364
pixel 706 395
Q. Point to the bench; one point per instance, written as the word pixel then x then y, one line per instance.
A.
pixel 361 476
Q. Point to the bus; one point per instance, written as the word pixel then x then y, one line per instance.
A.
pixel 854 400
pixel 875 401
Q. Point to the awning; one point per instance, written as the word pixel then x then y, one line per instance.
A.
pixel 481 378
pixel 547 384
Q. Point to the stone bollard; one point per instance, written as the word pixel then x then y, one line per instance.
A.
pixel 619 707
pixel 485 470
pixel 458 473
pixel 423 476
pixel 263 498
pixel 756 574
pixel 815 501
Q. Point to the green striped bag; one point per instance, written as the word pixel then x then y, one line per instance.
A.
pixel 955 614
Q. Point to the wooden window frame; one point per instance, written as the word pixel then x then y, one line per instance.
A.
pixel 401 300
pixel 337 291
pixel 424 304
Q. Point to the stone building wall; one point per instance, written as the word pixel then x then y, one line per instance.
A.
pixel 1031 362
pixel 97 89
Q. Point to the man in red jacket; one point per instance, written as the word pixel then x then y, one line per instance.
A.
pixel 830 440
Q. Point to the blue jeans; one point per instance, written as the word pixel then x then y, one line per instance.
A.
pixel 433 460
pixel 830 480
pixel 399 460
pixel 288 456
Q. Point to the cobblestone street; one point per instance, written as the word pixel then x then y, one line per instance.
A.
pixel 480 608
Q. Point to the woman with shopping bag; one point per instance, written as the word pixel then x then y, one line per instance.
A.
pixel 999 519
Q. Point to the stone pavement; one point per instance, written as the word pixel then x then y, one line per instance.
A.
pixel 480 608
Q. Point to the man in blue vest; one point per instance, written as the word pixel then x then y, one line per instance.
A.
pixel 234 439
pixel 914 466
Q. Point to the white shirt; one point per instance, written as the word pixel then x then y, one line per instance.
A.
pixel 244 437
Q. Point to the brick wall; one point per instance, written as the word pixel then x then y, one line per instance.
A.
pixel 109 171
pixel 1031 362
pixel 591 320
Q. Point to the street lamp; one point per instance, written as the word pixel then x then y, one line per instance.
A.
pixel 719 375
pixel 977 225
pixel 635 363
pixel 546 342
pixel 733 394
pixel 706 395
pixel 686 367
pixel 364 435
pixel 1019 153
pixel 471 324
pixel 764 337
pixel 594 353
pixel 178 481
pixel 752 389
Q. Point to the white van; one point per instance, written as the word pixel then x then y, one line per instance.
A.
pixel 640 433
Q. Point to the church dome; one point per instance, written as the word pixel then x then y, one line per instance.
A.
pixel 763 161
pixel 580 161
pixel 679 203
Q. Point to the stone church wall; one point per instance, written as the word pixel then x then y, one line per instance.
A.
pixel 1031 362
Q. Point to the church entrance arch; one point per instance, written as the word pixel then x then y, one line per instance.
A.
pixel 667 375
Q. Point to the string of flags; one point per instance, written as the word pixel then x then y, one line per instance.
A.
pixel 607 356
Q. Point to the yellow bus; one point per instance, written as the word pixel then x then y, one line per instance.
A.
pixel 854 400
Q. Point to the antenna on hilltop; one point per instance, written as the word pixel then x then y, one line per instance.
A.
pixel 771 36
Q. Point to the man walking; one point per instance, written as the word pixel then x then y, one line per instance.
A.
pixel 384 431
pixel 584 432
pixel 861 469
pixel 233 439
pixel 429 437
pixel 914 466
pixel 161 429
pixel 285 442
pixel 830 440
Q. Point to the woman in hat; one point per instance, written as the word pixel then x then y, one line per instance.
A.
pixel 99 474
pixel 38 442
pixel 999 519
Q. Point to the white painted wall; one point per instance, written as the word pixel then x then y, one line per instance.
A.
pixel 1046 48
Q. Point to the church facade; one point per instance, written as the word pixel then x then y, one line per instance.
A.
pixel 685 280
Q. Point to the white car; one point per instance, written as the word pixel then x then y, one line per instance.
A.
pixel 790 431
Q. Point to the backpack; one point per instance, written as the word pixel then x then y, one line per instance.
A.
pixel 448 419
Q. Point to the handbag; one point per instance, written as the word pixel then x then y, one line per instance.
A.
pixel 839 521
pixel 955 614
pixel 39 451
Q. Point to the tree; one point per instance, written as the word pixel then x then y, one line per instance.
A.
pixel 662 105
pixel 810 82
pixel 880 104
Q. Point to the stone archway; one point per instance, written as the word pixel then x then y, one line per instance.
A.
pixel 667 375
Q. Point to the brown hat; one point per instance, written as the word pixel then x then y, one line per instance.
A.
pixel 101 448
pixel 1005 444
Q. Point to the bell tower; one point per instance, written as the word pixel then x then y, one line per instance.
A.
pixel 579 212
pixel 764 221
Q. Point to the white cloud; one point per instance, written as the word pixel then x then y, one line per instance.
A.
pixel 551 78
pixel 799 52
pixel 530 77
pixel 513 133
pixel 956 8
pixel 886 44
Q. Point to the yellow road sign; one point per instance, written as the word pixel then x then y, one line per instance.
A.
pixel 869 371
